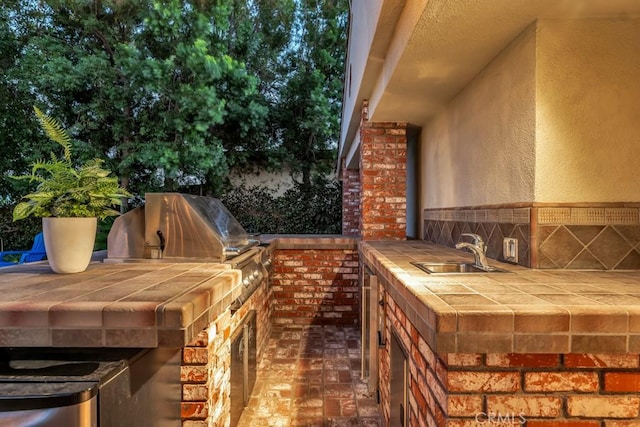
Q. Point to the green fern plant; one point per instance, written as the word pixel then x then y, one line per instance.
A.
pixel 64 190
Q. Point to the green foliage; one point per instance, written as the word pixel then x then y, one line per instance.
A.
pixel 17 237
pixel 54 131
pixel 259 35
pixel 65 190
pixel 314 209
pixel 149 85
pixel 173 94
pixel 20 237
pixel 104 226
pixel 308 108
pixel 21 144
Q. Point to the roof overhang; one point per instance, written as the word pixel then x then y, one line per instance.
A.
pixel 432 49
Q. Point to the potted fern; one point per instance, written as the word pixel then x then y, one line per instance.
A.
pixel 70 199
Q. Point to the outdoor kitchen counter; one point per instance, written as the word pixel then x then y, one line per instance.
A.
pixel 112 305
pixel 523 311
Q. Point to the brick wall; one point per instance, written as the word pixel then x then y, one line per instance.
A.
pixel 205 370
pixel 383 162
pixel 374 198
pixel 315 286
pixel 541 390
pixel 350 202
pixel 306 286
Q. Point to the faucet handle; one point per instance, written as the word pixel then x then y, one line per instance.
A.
pixel 477 240
pixel 476 237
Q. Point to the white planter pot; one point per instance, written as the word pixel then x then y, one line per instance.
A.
pixel 69 243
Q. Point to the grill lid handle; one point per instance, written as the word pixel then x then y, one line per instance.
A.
pixel 162 241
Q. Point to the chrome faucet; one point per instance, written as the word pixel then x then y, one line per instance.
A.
pixel 478 248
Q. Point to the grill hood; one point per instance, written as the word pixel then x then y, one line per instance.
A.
pixel 174 225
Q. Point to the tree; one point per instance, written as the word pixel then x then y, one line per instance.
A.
pixel 308 109
pixel 296 51
pixel 260 32
pixel 18 128
pixel 19 136
pixel 145 84
pixel 174 93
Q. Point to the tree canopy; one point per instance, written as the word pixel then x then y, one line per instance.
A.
pixel 173 93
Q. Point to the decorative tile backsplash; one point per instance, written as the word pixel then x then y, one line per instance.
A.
pixel 603 238
pixel 446 226
pixel 564 237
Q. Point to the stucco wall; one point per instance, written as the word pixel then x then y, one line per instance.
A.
pixel 554 118
pixel 480 150
pixel 276 182
pixel 588 111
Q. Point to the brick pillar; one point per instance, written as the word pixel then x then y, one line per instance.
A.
pixel 383 170
pixel 205 377
pixel 350 202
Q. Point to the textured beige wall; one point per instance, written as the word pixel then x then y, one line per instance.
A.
pixel 554 118
pixel 480 150
pixel 588 111
pixel 275 182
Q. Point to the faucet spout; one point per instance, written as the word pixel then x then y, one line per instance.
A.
pixel 478 248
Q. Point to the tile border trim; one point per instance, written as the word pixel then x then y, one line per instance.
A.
pixel 561 214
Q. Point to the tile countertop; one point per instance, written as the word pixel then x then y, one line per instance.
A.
pixel 120 304
pixel 112 305
pixel 523 311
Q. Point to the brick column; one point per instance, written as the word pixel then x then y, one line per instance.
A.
pixel 205 376
pixel 205 371
pixel 383 170
pixel 350 202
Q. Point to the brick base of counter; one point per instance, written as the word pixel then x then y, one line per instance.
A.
pixel 315 286
pixel 205 372
pixel 539 390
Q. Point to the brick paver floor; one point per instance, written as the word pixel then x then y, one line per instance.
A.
pixel 309 376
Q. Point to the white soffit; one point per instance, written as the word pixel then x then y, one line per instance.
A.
pixel 381 36
pixel 452 40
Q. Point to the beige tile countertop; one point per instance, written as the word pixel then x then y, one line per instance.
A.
pixel 309 241
pixel 522 311
pixel 112 305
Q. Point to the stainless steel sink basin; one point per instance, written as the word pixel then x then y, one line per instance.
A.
pixel 454 268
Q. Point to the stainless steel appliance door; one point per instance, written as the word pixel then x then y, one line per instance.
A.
pixel 48 404
pixel 243 365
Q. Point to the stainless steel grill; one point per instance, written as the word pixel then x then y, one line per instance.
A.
pixel 176 226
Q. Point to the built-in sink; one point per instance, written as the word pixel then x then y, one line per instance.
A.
pixel 455 268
